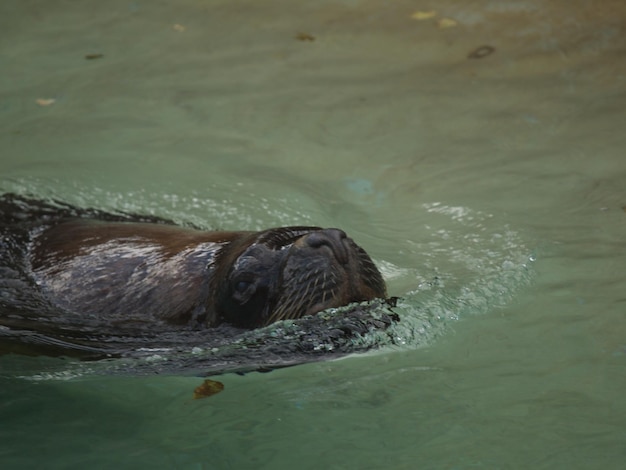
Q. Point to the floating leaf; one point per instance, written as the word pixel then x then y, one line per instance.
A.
pixel 424 15
pixel 45 101
pixel 446 23
pixel 208 388
pixel 305 37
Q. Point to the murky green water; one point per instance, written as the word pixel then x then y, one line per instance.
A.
pixel 503 176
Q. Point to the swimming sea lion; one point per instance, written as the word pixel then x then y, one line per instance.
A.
pixel 128 272
pixel 246 279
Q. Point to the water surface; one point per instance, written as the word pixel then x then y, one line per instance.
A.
pixel 502 177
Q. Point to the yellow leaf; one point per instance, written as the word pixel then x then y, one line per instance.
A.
pixel 424 15
pixel 446 23
pixel 45 101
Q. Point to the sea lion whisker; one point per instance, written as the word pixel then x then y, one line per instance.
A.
pixel 281 308
pixel 293 308
pixel 288 308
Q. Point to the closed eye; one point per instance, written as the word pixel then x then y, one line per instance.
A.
pixel 244 289
pixel 242 286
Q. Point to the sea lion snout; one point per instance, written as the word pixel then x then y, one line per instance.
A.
pixel 332 238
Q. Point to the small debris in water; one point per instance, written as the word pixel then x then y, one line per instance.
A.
pixel 208 388
pixel 423 15
pixel 305 37
pixel 480 52
pixel 444 23
pixel 45 101
pixel 94 56
pixel 179 27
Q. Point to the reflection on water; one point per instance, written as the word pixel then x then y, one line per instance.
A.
pixel 489 191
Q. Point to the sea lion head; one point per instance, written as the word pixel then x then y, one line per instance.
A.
pixel 291 272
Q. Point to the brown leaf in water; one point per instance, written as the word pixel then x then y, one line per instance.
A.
pixel 94 56
pixel 305 37
pixel 208 388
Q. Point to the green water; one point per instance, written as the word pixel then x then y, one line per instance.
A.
pixel 503 177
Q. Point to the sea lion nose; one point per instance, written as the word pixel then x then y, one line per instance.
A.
pixel 332 238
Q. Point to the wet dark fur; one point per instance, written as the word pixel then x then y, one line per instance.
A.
pixel 68 275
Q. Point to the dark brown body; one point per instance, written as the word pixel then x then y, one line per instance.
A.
pixel 141 272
